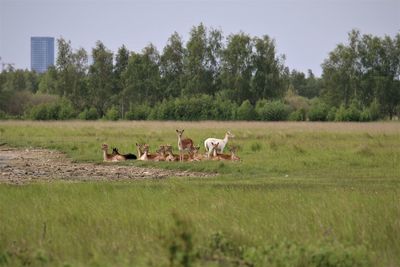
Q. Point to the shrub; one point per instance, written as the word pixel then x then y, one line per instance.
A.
pixel 354 111
pixel 3 115
pixel 375 110
pixel 318 111
pixel 298 115
pixel 331 114
pixel 60 110
pixel 140 112
pixel 365 115
pixel 296 102
pixel 89 114
pixel 341 114
pixel 273 111
pixel 112 114
pixel 246 111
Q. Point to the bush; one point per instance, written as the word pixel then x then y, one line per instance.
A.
pixel 273 111
pixel 3 115
pixel 60 110
pixel 375 110
pixel 139 112
pixel 246 111
pixel 354 111
pixel 112 114
pixel 331 114
pixel 89 114
pixel 297 115
pixel 318 111
pixel 341 114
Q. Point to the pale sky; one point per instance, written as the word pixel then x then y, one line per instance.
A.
pixel 304 30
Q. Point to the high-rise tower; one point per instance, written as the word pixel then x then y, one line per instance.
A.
pixel 42 53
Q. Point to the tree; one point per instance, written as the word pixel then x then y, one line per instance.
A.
pixel 172 66
pixel 142 77
pixel 269 71
pixel 367 68
pixel 198 63
pixel 237 67
pixel 100 78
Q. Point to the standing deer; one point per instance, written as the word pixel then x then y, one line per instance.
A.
pixel 221 143
pixel 183 144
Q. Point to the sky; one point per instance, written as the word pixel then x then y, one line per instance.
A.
pixel 305 31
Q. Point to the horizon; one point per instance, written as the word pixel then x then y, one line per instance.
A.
pixel 304 31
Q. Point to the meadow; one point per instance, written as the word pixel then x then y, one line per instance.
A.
pixel 304 194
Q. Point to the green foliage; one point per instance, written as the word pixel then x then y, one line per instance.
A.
pixel 297 115
pixel 331 114
pixel 180 243
pixel 246 111
pixel 139 112
pixel 89 114
pixel 318 110
pixel 112 114
pixel 272 110
pixel 60 110
pixel 225 72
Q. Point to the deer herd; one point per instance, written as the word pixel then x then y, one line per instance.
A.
pixel 214 150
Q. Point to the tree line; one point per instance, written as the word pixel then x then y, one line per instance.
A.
pixel 210 77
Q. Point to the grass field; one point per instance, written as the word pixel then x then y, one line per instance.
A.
pixel 305 194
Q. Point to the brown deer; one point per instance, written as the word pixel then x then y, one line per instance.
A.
pixel 110 157
pixel 233 153
pixel 124 156
pixel 139 148
pixel 170 156
pixel 194 154
pixel 160 154
pixel 217 156
pixel 183 144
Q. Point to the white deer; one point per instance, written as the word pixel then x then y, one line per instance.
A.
pixel 221 143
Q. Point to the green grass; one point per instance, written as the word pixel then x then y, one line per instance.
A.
pixel 322 187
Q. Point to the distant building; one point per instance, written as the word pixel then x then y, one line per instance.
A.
pixel 42 53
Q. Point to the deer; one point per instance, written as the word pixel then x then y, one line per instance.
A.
pixel 139 148
pixel 110 157
pixel 194 154
pixel 145 152
pixel 217 156
pixel 160 154
pixel 183 144
pixel 125 156
pixel 222 143
pixel 170 156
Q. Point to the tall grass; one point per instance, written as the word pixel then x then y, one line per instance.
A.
pixel 313 185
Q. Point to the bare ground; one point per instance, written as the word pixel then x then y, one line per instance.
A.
pixel 20 166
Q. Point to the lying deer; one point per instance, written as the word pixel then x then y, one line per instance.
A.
pixel 194 154
pixel 217 156
pixel 169 155
pixel 125 156
pixel 160 154
pixel 110 157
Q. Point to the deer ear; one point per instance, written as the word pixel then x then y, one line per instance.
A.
pixel 177 131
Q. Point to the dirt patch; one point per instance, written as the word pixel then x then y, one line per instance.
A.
pixel 19 166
